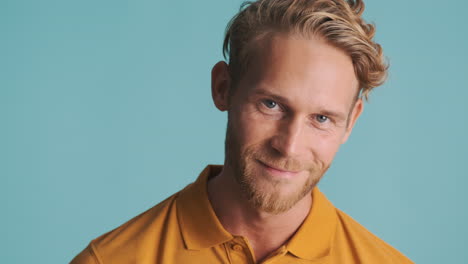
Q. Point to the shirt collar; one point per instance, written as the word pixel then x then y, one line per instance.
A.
pixel 314 237
pixel 201 228
pixel 198 222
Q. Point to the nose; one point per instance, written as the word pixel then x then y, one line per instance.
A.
pixel 288 140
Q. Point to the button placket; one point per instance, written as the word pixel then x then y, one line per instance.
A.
pixel 238 252
pixel 237 247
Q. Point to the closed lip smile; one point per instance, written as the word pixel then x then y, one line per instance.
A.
pixel 276 169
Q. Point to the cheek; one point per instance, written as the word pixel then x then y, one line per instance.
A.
pixel 252 128
pixel 324 148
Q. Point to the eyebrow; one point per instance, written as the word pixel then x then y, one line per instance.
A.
pixel 322 111
pixel 270 94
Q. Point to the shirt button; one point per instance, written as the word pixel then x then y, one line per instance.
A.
pixel 236 247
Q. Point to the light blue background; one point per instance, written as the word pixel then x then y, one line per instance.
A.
pixel 105 110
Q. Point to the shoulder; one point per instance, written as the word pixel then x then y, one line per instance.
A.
pixel 355 241
pixel 122 244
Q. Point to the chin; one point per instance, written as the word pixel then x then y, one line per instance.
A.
pixel 272 195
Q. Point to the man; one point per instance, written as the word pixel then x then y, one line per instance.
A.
pixel 293 89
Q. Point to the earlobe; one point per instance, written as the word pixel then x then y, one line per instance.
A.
pixel 356 112
pixel 220 84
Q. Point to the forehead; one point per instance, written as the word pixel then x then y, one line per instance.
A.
pixel 307 71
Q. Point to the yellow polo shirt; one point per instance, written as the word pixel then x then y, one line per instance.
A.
pixel 184 229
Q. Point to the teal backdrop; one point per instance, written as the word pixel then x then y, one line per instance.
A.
pixel 105 110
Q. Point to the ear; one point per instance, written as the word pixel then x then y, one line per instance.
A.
pixel 220 84
pixel 356 112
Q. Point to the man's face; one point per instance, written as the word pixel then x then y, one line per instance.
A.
pixel 287 117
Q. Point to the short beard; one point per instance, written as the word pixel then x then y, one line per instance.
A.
pixel 269 199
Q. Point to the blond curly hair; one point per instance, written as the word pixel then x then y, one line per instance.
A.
pixel 339 22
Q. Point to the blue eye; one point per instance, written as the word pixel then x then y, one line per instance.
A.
pixel 321 118
pixel 270 104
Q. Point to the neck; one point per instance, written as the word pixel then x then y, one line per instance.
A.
pixel 239 218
